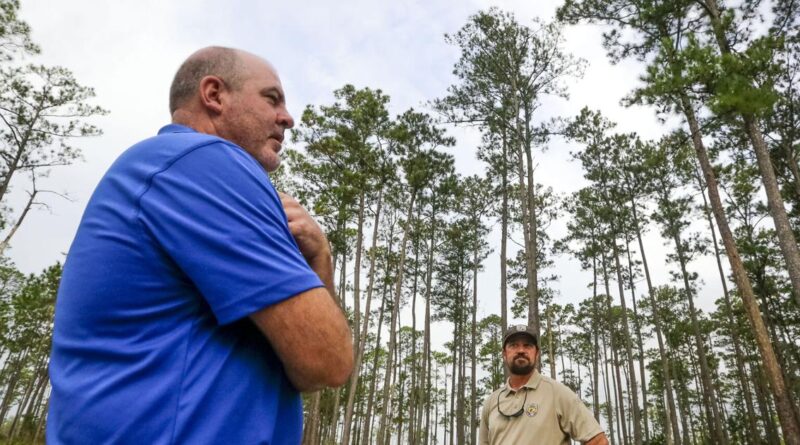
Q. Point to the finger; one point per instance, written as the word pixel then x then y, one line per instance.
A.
pixel 286 198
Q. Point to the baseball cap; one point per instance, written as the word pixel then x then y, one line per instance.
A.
pixel 520 329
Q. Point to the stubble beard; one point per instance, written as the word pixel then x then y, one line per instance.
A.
pixel 247 134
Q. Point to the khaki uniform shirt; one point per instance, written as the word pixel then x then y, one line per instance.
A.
pixel 552 414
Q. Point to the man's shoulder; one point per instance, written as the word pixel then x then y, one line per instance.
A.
pixel 556 386
pixel 158 154
pixel 180 142
pixel 493 395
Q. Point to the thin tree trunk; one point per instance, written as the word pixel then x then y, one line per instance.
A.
pixel 595 353
pixel 783 228
pixel 608 395
pixel 395 310
pixel 633 393
pixel 373 387
pixel 18 223
pixel 763 405
pixel 618 384
pixel 551 345
pixel 504 242
pixel 530 255
pixel 783 401
pixel 413 398
pixel 428 288
pixel 665 372
pixel 473 414
pixel 738 354
pixel 12 384
pixel 709 394
pixel 40 424
pixel 351 395
pixel 639 343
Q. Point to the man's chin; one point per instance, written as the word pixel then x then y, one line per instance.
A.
pixel 271 165
pixel 521 369
pixel 269 158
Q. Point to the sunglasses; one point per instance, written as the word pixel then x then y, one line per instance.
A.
pixel 516 414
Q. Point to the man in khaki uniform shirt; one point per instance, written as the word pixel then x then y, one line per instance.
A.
pixel 531 408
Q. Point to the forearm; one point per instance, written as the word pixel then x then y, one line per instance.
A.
pixel 599 439
pixel 312 338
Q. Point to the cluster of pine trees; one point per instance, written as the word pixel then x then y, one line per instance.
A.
pixel 411 236
pixel 43 112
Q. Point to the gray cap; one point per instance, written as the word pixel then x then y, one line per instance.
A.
pixel 520 329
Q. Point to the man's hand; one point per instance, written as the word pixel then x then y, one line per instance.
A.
pixel 309 331
pixel 311 240
pixel 306 232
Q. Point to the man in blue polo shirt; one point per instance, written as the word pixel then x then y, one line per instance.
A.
pixel 197 301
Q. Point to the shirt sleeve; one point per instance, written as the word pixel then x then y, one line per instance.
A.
pixel 216 214
pixel 483 429
pixel 575 419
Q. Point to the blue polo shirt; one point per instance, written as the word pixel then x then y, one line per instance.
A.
pixel 183 238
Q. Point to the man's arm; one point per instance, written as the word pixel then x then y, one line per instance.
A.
pixel 599 439
pixel 483 429
pixel 309 331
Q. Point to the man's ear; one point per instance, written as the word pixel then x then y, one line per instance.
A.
pixel 212 89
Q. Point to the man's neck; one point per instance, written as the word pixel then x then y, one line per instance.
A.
pixel 517 381
pixel 195 121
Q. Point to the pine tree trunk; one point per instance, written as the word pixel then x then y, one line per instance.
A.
pixel 395 311
pixel 473 413
pixel 365 435
pixel 42 419
pixel 453 391
pixel 15 371
pixel 348 414
pixel 428 288
pixel 783 228
pixel 413 398
pixel 682 406
pixel 530 255
pixel 504 242
pixel 783 401
pixel 595 351
pixel 633 391
pixel 615 364
pixel 709 394
pixel 738 354
pixel 763 407
pixel 608 394
pixel 550 346
pixel 665 372
pixel 639 343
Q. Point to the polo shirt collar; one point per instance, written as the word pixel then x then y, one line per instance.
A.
pixel 532 383
pixel 176 128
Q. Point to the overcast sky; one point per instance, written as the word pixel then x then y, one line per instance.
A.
pixel 129 51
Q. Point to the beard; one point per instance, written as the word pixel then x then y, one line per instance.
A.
pixel 520 369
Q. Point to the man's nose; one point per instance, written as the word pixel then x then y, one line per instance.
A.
pixel 285 119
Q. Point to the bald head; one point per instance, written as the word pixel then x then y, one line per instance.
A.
pixel 234 95
pixel 225 63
